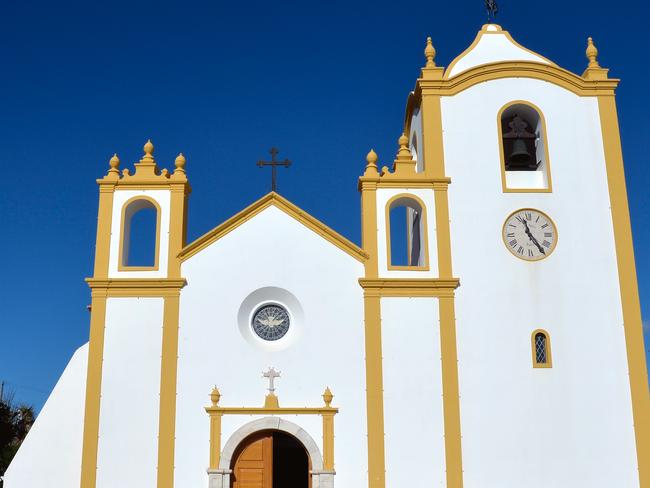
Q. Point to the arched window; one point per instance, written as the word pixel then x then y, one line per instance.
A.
pixel 524 151
pixel 406 233
pixel 140 234
pixel 541 343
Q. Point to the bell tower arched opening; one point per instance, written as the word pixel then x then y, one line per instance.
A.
pixel 270 459
pixel 525 163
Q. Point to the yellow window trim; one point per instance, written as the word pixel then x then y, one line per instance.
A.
pixel 504 186
pixel 423 237
pixel 287 207
pixel 549 358
pixel 120 264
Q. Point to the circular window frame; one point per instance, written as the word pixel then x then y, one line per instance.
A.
pixel 270 295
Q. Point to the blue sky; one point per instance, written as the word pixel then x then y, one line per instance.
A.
pixel 223 82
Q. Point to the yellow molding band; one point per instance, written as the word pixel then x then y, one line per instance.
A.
pixel 374 392
pixel 93 393
pixel 409 287
pixel 290 209
pixel 271 410
pixel 136 287
pixel 421 181
pixel 518 69
pixel 628 285
pixel 168 373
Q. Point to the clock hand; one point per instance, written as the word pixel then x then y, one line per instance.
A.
pixel 532 238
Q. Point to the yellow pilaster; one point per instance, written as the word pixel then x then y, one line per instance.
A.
pixel 374 393
pixel 168 374
pixel 93 392
pixel 434 167
pixel 628 284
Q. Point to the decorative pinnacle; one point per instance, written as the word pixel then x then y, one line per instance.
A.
pixel 404 153
pixel 327 396
pixel 592 54
pixel 114 164
pixel 148 150
pixel 215 396
pixel 371 158
pixel 430 54
pixel 180 163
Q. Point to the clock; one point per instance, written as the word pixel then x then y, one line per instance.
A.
pixel 270 322
pixel 529 234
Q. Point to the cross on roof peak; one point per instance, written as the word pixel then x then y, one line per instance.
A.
pixel 274 164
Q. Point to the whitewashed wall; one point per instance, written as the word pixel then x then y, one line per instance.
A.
pixel 162 197
pixel 413 417
pixel 50 455
pixel 279 255
pixel 128 423
pixel 570 425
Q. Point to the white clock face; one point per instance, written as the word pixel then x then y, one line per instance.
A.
pixel 270 322
pixel 529 234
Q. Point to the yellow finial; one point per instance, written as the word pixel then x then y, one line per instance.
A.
pixel 114 164
pixel 592 54
pixel 430 54
pixel 371 158
pixel 148 150
pixel 327 397
pixel 403 152
pixel 215 396
pixel 371 164
pixel 180 163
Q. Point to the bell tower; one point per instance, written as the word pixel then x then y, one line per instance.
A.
pixel 134 312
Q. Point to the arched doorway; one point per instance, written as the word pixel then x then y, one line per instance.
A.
pixel 270 459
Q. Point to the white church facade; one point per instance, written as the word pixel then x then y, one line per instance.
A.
pixel 498 344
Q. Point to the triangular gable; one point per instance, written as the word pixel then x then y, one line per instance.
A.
pixel 287 207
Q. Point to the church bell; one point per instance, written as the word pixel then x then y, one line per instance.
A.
pixel 519 146
pixel 519 155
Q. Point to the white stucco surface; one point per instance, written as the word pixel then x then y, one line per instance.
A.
pixel 426 196
pixel 492 47
pixel 128 423
pixel 413 416
pixel 569 425
pixel 51 453
pixel 162 197
pixel 328 351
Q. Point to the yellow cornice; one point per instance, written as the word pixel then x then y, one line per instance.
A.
pixel 518 69
pixel 409 287
pixel 286 206
pixel 135 287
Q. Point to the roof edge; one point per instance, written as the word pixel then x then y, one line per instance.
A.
pixel 287 207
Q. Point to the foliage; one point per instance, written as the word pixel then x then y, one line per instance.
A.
pixel 15 422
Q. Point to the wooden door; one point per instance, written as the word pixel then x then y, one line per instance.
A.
pixel 254 465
